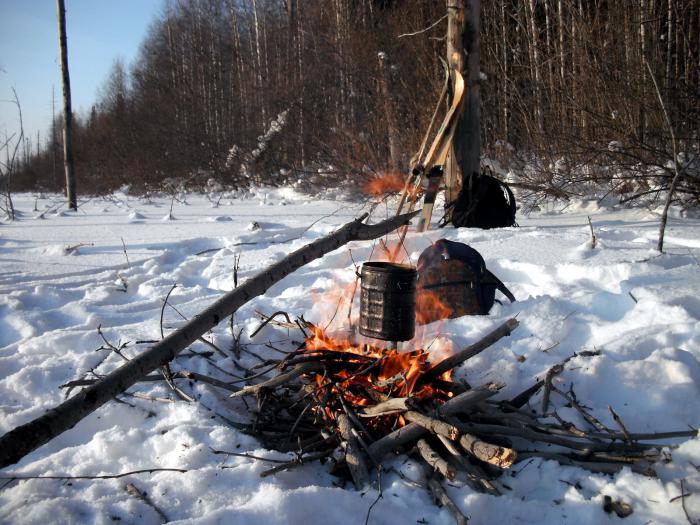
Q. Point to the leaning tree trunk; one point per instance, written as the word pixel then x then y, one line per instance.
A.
pixel 67 111
pixel 463 37
pixel 28 437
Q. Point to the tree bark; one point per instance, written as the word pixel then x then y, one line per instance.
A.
pixel 19 442
pixel 68 163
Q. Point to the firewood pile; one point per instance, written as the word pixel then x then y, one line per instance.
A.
pixel 353 405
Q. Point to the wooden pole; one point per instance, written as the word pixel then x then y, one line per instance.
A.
pixel 68 163
pixel 19 442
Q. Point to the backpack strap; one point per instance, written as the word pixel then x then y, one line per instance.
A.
pixel 511 199
pixel 499 285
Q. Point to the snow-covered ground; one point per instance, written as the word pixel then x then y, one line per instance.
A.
pixel 112 263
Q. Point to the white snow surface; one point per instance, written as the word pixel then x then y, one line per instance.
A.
pixel 63 275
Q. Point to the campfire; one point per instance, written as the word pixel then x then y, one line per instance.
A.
pixel 355 404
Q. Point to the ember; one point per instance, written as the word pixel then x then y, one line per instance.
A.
pixel 365 375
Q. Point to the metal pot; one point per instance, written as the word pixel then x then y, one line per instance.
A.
pixel 388 301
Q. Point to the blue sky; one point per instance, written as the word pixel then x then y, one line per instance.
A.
pixel 99 31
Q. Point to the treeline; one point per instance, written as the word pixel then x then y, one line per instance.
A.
pixel 319 92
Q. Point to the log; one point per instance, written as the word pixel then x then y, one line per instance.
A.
pixel 501 457
pixel 472 350
pixel 353 456
pixel 19 442
pixel 476 477
pixel 435 460
pixel 413 431
pixel 433 425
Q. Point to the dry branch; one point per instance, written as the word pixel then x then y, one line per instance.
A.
pixel 467 353
pixel 441 496
pixel 353 456
pixel 501 457
pixel 17 443
pixel 414 431
pixel 435 460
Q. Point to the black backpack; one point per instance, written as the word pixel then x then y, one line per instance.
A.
pixel 453 281
pixel 483 202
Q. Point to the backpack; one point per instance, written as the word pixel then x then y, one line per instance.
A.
pixel 453 281
pixel 483 202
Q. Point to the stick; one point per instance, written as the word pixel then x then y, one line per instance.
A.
pixel 434 425
pixel 441 496
pixel 278 380
pixel 476 477
pixel 593 466
pixel 19 442
pixel 555 370
pixel 133 491
pixel 10 475
pixel 296 462
pixel 472 350
pixel 353 456
pixel 501 457
pixel 435 460
pixel 413 431
pixel 390 406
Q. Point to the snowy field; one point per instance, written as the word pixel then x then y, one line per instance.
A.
pixel 111 264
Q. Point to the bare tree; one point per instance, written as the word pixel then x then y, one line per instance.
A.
pixel 10 146
pixel 67 110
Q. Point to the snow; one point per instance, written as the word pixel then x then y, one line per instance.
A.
pixel 641 310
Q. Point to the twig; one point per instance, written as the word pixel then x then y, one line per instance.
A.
pixel 133 491
pixel 555 370
pixel 685 510
pixel 128 265
pixel 441 496
pixel 17 476
pixel 296 462
pixel 677 172
pixel 278 380
pixel 593 238
pixel 619 422
pixel 425 30
pixel 162 309
pixel 246 455
pixel 267 320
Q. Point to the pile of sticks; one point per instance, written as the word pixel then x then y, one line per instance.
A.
pixel 335 404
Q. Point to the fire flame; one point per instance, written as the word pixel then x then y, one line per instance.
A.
pixel 372 374
pixel 384 183
pixel 430 307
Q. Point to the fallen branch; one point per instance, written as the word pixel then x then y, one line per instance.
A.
pixel 435 460
pixel 19 442
pixel 441 496
pixel 467 353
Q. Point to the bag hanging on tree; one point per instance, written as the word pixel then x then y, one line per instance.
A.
pixel 453 281
pixel 483 202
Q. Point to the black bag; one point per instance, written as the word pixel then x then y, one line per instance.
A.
pixel 483 202
pixel 453 281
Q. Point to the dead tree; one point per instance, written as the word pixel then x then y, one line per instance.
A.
pixel 67 110
pixel 463 55
pixel 19 442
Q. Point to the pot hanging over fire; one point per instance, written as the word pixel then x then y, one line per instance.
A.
pixel 388 301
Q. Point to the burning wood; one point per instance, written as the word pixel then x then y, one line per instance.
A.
pixel 371 401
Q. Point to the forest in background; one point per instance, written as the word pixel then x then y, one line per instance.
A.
pixel 317 93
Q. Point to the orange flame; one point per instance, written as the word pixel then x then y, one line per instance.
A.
pixel 374 375
pixel 390 181
pixel 430 307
